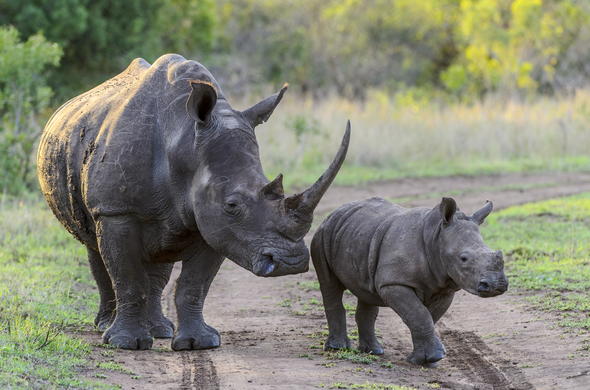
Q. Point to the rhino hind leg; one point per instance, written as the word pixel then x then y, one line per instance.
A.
pixel 160 326
pixel 191 290
pixel 365 317
pixel 122 251
pixel 106 311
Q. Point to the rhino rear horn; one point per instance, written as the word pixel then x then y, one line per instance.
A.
pixel 306 201
pixel 480 215
pixel 201 101
pixel 274 189
pixel 261 111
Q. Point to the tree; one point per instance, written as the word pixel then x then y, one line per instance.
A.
pixel 100 37
pixel 514 45
pixel 24 95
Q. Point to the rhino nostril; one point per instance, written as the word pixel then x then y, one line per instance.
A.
pixel 483 287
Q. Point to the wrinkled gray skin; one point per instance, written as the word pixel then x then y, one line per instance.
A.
pixel 154 166
pixel 410 259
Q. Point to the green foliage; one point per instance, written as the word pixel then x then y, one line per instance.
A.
pixel 348 46
pixel 514 45
pixel 187 26
pixel 467 47
pixel 547 246
pixel 45 291
pixel 100 37
pixel 24 97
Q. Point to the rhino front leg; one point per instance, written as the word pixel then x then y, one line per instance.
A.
pixel 160 326
pixel 332 291
pixel 365 317
pixel 106 309
pixel 191 289
pixel 440 306
pixel 122 251
pixel 428 349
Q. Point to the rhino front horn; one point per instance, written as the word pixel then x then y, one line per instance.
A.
pixel 306 201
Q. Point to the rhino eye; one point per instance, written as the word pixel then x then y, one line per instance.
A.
pixel 464 258
pixel 232 208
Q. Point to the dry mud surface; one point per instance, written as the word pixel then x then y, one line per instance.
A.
pixel 270 328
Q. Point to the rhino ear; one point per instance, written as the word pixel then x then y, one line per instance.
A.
pixel 201 101
pixel 448 207
pixel 261 111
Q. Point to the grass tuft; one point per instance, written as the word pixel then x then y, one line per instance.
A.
pixel 46 291
pixel 352 356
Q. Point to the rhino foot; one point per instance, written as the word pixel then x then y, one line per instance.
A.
pixel 162 328
pixel 333 343
pixel 205 337
pixel 373 347
pixel 136 338
pixel 428 354
pixel 104 319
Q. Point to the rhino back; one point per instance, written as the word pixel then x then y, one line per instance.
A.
pixel 360 237
pixel 104 152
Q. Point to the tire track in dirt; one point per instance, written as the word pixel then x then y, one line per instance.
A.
pixel 198 372
pixel 468 352
pixel 264 344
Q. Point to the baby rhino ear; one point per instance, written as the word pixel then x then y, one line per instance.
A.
pixel 201 101
pixel 448 207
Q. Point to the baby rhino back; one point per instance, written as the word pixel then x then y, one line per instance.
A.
pixel 346 246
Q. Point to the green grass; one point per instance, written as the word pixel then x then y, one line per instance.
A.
pixel 309 285
pixel 354 174
pixel 46 291
pixel 113 366
pixel 547 248
pixel 366 386
pixel 353 356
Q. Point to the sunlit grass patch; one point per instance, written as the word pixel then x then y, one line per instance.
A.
pixel 547 248
pixel 45 290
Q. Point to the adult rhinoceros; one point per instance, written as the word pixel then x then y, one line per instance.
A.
pixel 154 166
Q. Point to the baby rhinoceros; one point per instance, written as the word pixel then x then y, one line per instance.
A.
pixel 410 259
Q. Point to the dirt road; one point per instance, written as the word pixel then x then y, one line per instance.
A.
pixel 271 329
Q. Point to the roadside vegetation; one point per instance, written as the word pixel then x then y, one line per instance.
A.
pixel 390 140
pixel 46 297
pixel 435 87
pixel 547 250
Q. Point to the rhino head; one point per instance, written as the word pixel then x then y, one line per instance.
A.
pixel 238 211
pixel 469 262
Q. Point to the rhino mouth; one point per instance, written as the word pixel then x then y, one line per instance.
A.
pixel 264 266
pixel 486 289
pixel 274 264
